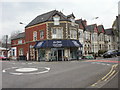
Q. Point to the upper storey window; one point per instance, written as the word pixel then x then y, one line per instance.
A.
pixel 57 33
pixel 34 36
pixel 56 19
pixel 19 41
pixel 72 19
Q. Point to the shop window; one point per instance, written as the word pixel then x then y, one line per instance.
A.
pixel 41 53
pixel 73 53
pixel 34 35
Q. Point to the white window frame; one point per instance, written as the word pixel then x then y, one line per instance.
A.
pixel 72 21
pixel 41 34
pixel 21 51
pixel 57 32
pixel 20 41
pixel 34 35
pixel 73 33
pixel 56 19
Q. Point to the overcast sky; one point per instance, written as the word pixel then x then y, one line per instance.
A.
pixel 15 11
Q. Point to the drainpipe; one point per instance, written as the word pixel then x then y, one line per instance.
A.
pixel 118 19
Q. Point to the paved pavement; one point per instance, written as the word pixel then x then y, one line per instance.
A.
pixel 67 74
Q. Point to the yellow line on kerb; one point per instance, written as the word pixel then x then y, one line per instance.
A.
pixel 110 75
pixel 96 83
pixel 109 72
pixel 106 77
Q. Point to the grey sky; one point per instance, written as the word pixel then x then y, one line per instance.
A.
pixel 15 11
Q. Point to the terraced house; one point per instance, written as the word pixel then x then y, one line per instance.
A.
pixel 95 38
pixel 50 36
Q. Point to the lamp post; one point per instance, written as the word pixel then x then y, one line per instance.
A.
pixel 29 46
pixel 6 38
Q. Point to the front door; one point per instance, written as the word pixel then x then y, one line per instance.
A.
pixel 57 54
pixel 60 55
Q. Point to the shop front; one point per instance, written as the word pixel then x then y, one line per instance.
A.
pixel 57 50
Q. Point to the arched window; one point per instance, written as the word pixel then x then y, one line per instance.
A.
pixel 34 35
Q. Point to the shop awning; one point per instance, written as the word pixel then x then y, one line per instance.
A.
pixel 57 43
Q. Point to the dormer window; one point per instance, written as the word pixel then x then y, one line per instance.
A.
pixel 56 19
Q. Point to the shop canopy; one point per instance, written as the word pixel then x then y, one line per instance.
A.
pixel 57 43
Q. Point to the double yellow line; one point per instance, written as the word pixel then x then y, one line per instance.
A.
pixel 107 76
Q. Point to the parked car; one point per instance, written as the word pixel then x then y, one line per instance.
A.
pixel 88 57
pixel 118 52
pixel 110 54
pixel 2 57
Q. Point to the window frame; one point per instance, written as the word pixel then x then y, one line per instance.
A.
pixel 56 19
pixel 41 34
pixel 57 34
pixel 34 35
pixel 20 41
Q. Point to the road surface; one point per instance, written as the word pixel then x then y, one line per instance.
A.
pixel 64 74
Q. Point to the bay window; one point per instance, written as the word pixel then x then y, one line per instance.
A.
pixel 57 32
pixel 73 33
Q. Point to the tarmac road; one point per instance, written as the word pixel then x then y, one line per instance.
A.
pixel 67 74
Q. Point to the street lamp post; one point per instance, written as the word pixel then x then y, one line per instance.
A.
pixel 29 46
pixel 6 38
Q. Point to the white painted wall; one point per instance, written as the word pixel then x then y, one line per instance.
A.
pixel 14 50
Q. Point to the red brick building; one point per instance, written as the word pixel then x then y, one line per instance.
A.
pixel 51 35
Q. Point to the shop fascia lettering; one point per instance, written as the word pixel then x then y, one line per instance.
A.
pixel 57 43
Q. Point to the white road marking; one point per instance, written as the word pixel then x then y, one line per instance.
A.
pixel 108 64
pixel 103 63
pixel 4 71
pixel 24 71
pixel 17 73
pixel 30 63
pixel 100 63
pixel 23 63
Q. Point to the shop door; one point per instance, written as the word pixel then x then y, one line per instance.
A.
pixel 60 55
pixel 41 55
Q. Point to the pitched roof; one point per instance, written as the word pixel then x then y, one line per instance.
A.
pixel 81 22
pixel 100 29
pixel 47 17
pixel 71 15
pixel 109 31
pixel 90 28
pixel 20 35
